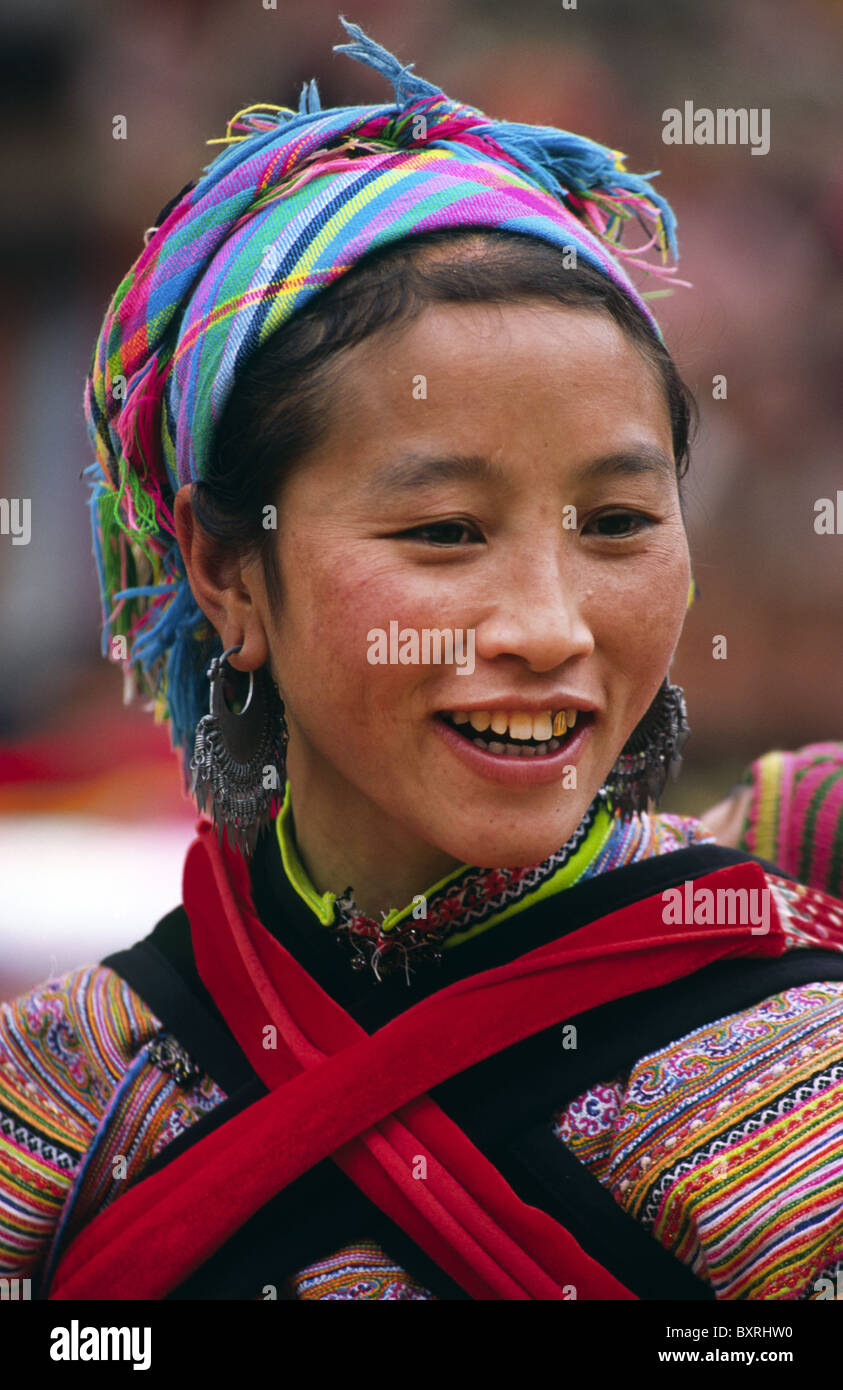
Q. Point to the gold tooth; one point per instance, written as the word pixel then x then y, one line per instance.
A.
pixel 559 723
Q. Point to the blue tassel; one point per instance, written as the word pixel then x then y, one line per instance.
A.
pixel 408 87
pixel 172 634
pixel 182 613
pixel 309 103
pixel 144 589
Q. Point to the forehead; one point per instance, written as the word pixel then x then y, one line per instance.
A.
pixel 538 391
pixel 502 366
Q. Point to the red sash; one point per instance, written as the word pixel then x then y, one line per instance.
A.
pixel 335 1090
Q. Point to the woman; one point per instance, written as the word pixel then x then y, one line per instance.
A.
pixel 389 450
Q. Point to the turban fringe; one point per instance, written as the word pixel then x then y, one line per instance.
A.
pixel 291 203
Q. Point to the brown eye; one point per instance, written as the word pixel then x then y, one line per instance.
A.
pixel 621 524
pixel 445 533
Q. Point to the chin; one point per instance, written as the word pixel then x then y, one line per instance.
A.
pixel 513 849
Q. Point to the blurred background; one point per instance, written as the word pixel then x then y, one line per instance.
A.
pixel 90 796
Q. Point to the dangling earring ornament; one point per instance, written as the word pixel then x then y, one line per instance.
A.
pixel 652 751
pixel 234 753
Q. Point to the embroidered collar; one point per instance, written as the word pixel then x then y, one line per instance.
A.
pixel 470 900
pixel 457 907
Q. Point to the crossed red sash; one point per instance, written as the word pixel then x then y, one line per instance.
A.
pixel 336 1090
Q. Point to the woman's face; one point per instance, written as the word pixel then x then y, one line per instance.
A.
pixel 503 473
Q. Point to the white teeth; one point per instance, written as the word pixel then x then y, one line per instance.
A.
pixel 541 748
pixel 553 745
pixel 480 720
pixel 499 722
pixel 495 747
pixel 542 726
pixel 571 717
pixel 460 717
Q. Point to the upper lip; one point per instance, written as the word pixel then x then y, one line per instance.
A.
pixel 517 704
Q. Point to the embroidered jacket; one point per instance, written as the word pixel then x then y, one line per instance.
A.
pixel 723 1144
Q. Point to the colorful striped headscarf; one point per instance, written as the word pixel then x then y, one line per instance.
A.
pixel 292 203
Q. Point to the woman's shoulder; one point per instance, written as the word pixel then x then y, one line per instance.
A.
pixel 66 1043
pixel 670 832
pixel 65 1046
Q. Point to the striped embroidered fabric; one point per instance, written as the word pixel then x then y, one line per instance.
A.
pixel 725 1143
pixel 78 1092
pixel 359 1270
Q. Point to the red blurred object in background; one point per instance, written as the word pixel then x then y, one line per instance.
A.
pixel 107 761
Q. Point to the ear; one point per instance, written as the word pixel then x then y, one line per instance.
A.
pixel 224 587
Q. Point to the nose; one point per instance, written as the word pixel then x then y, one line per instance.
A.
pixel 537 617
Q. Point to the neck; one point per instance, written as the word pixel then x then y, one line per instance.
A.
pixel 383 864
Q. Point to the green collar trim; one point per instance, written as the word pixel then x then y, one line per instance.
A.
pixel 322 904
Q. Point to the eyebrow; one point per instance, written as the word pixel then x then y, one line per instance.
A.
pixel 412 472
pixel 642 458
pixel 416 471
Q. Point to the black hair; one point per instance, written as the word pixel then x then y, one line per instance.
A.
pixel 277 408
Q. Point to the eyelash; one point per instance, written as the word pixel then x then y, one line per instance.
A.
pixel 418 532
pixel 642 523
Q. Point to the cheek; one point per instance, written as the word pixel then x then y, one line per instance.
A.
pixel 639 610
pixel 321 638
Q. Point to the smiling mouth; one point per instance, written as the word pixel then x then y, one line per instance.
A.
pixel 516 734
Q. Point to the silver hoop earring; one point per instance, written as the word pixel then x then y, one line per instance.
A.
pixel 239 756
